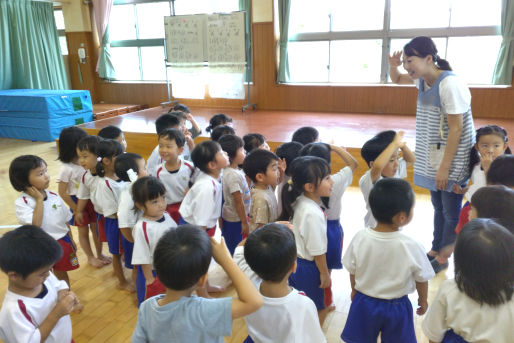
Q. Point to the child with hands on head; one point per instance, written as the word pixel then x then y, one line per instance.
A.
pixel 217 120
pixel 195 130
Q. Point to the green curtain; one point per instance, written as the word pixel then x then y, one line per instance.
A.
pixel 503 70
pixel 284 7
pixel 105 66
pixel 245 5
pixel 30 55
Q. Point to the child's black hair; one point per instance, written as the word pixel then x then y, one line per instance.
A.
pixel 474 157
pixel 166 121
pixel 305 135
pixel 68 139
pixel 253 141
pixel 124 162
pixel 289 151
pixel 484 262
pixel 107 148
pixel 217 120
pixel 181 108
pixel 27 249
pixel 304 169
pixel 374 147
pixel 257 162
pixel 110 132
pixel 271 251
pixel 204 153
pixel 20 168
pixel 180 115
pixel 221 130
pixel 174 135
pixel 495 202
pixel 147 188
pixel 182 256
pixel 230 144
pixel 318 149
pixel 390 196
pixel 422 47
pixel 501 171
pixel 89 143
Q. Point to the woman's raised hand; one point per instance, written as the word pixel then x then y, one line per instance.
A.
pixel 395 60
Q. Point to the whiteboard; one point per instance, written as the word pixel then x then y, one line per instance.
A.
pixel 185 38
pixel 226 38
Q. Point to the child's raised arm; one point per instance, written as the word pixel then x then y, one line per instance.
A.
pixel 407 154
pixel 249 299
pixel 37 215
pixel 66 304
pixel 382 159
pixel 345 156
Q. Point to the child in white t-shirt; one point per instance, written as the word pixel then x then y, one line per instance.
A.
pixel 286 153
pixel 165 121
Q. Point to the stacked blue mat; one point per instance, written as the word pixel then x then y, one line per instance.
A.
pixel 40 115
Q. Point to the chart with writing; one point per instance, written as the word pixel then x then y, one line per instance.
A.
pixel 226 38
pixel 185 42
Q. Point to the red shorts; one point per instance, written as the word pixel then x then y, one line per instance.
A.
pixel 172 209
pixel 69 260
pixel 211 231
pixel 154 288
pixel 100 228
pixel 89 214
pixel 463 217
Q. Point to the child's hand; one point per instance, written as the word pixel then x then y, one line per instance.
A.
pixel 395 60
pixel 242 243
pixel 458 189
pixel 220 251
pixel 79 218
pixel 65 304
pixel 34 192
pixel 245 228
pixel 189 117
pixel 353 294
pixel 282 165
pixel 189 140
pixel 423 306
pixel 325 280
pixel 485 161
pixel 149 281
pixel 398 139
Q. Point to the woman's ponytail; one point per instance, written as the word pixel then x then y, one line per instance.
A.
pixel 442 63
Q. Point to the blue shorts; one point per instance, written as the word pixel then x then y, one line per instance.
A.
pixel 141 285
pixel 307 279
pixel 369 316
pixel 231 231
pixel 451 337
pixel 113 235
pixel 335 244
pixel 248 340
pixel 128 247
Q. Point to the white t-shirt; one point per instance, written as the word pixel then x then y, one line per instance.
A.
pixel 478 180
pixel 309 228
pixel 154 161
pixel 278 193
pixel 386 265
pixel 87 188
pixel 234 180
pixel 55 213
pixel 342 179
pixel 202 204
pixel 146 235
pixel 454 94
pixel 107 196
pixel 365 184
pixel 453 309
pixel 176 182
pixel 127 217
pixel 71 173
pixel 239 259
pixel 20 316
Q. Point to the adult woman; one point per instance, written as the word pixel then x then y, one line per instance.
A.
pixel 444 137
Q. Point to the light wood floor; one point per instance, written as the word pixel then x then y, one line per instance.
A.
pixel 110 315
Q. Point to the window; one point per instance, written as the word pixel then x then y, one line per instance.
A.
pixel 334 41
pixel 59 22
pixel 137 34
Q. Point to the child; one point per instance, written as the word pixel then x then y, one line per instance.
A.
pixel 305 135
pixel 42 208
pixel 287 315
pixel 221 130
pixel 261 166
pixel 113 132
pixel 36 306
pixel 190 143
pixel 181 260
pixel 477 305
pixel 217 120
pixel 381 155
pixel 310 182
pixel 165 121
pixel 176 175
pixel 148 194
pixel 286 152
pixel 186 115
pixel 495 202
pixel 68 180
pixel 501 171
pixel 236 193
pixel 385 266
pixel 254 141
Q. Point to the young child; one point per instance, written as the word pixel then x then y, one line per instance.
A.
pixel 113 132
pixel 286 152
pixel 165 121
pixel 187 116
pixel 189 142
pixel 261 166
pixel 181 260
pixel 236 193
pixel 39 207
pixel 287 315
pixel 501 171
pixel 176 175
pixel 254 141
pixel 148 194
pixel 385 266
pixel 68 180
pixel 37 305
pixel 221 130
pixel 477 305
pixel 305 135
pixel 381 155
pixel 217 120
pixel 310 182
pixel 495 202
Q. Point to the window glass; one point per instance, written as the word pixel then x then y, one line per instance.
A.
pixel 122 24
pixel 357 15
pixel 410 14
pixel 355 61
pixel 63 44
pixel 308 61
pixel 59 19
pixel 307 16
pixel 150 19
pixel 126 63
pixel 475 13
pixel 152 60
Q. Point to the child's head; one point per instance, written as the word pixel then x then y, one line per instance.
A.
pixel 309 174
pixel 124 163
pixel 182 257
pixel 305 135
pixel 374 147
pixel 501 171
pixel 148 195
pixel 495 202
pixel 289 151
pixel 484 262
pixel 28 171
pixel 27 254
pixel 68 139
pixel 217 120
pixel 208 157
pixel 424 48
pixel 86 150
pixel 171 144
pixel 113 132
pixel 492 141
pixel 221 130
pixel 317 149
pixel 182 119
pixel 181 108
pixel 392 201
pixel 233 146
pixel 254 141
pixel 261 166
pixel 271 252
pixel 106 151
pixel 166 121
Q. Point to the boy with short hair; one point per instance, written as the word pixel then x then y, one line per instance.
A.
pixel 287 315
pixel 385 266
pixel 262 167
pixel 305 135
pixel 381 155
pixel 181 260
pixel 36 306
pixel 113 132
pixel 165 121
